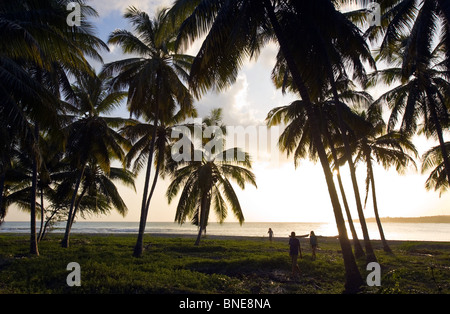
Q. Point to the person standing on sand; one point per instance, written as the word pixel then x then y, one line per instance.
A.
pixel 294 252
pixel 270 232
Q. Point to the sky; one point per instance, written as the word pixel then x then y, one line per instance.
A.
pixel 284 193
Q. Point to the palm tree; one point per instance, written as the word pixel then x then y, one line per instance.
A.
pixel 206 182
pixel 414 28
pixel 36 36
pixel 296 138
pixel 388 149
pixel 239 29
pixel 422 96
pixel 92 137
pixel 332 46
pixel 154 81
pixel 142 134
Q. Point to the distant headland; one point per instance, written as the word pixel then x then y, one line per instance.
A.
pixel 424 219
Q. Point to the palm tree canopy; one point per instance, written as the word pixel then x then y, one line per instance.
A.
pixel 91 134
pixel 422 23
pixel 200 178
pixel 238 30
pixel 35 34
pixel 411 101
pixel 296 138
pixel 154 76
pixel 208 180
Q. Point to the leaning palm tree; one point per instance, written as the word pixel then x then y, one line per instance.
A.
pixel 296 137
pixel 206 183
pixel 154 80
pixel 327 46
pixel 388 149
pixel 239 29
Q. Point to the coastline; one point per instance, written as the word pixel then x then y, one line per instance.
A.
pixel 392 230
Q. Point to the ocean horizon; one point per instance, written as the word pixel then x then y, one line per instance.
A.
pixel 393 230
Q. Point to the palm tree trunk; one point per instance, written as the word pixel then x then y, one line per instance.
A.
pixel 348 155
pixel 33 237
pixel 77 206
pixel 47 222
pixel 42 216
pixel 353 278
pixel 65 241
pixel 359 252
pixel 386 247
pixel 138 248
pixel 155 180
pixel 2 187
pixel 206 201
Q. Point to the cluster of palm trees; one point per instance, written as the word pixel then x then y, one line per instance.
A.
pixel 321 52
pixel 59 143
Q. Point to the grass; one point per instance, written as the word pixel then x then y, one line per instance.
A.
pixel 223 266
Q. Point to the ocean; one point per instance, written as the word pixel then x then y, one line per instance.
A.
pixel 392 230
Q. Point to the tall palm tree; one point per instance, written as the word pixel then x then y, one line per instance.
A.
pixel 239 29
pixel 142 135
pixel 36 35
pixel 92 136
pixel 206 182
pixel 296 137
pixel 388 149
pixel 154 80
pixel 327 46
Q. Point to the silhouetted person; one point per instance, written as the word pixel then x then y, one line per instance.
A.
pixel 294 252
pixel 313 243
pixel 270 232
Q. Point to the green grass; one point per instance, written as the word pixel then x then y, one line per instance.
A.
pixel 175 265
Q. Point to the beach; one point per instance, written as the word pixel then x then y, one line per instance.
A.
pixel 392 230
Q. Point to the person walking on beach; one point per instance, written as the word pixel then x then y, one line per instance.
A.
pixel 294 252
pixel 313 243
pixel 270 232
